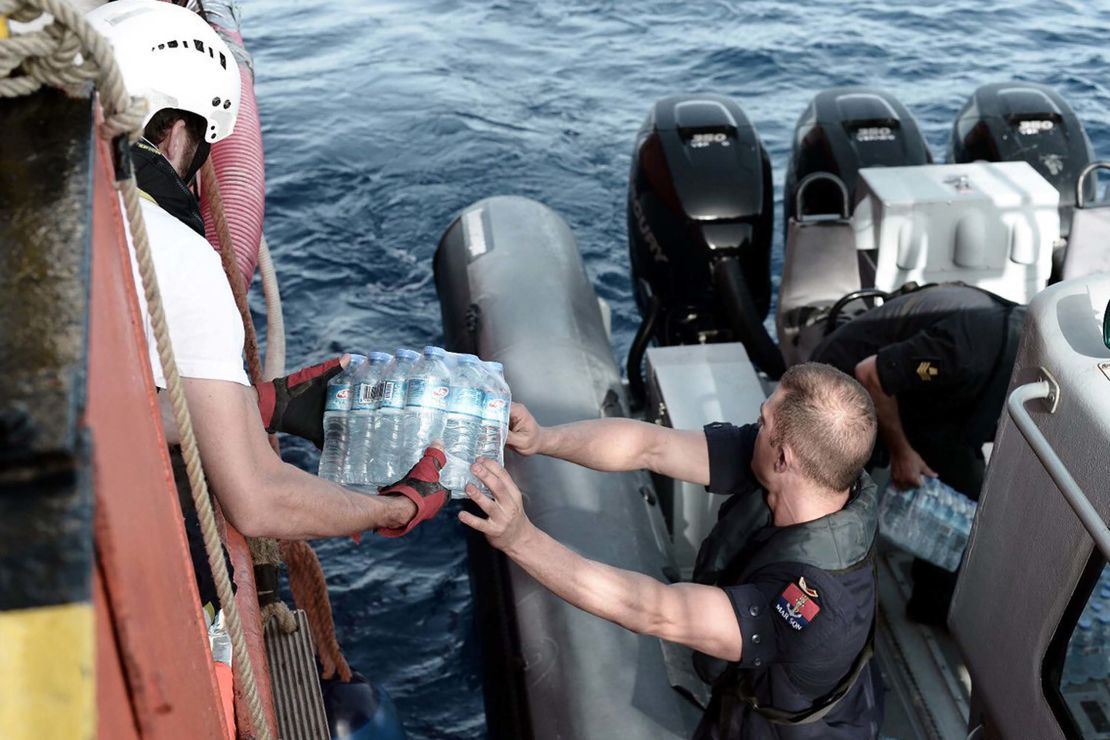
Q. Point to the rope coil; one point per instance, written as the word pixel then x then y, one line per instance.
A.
pixel 48 56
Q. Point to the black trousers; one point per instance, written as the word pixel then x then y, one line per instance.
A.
pixel 205 584
pixel 961 466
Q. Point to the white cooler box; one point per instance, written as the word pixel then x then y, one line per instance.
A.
pixel 988 224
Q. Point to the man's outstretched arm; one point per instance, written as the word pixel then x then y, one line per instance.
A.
pixel 263 496
pixel 700 617
pixel 906 465
pixel 614 445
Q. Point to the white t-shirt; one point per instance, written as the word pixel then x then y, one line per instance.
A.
pixel 205 328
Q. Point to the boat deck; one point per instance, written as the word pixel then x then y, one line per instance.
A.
pixel 928 687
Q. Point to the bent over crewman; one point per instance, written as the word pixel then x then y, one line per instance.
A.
pixel 937 363
pixel 186 73
pixel 782 611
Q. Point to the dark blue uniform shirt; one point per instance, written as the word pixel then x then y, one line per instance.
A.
pixel 793 656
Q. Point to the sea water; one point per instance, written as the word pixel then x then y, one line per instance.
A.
pixel 381 121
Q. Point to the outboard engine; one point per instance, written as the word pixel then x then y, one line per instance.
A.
pixel 1027 122
pixel 843 130
pixel 700 205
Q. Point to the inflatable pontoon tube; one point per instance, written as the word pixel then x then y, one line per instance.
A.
pixel 512 288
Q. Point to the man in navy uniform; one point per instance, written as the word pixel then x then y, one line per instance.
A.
pixel 937 363
pixel 782 611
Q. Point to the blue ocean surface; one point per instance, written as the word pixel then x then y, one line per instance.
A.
pixel 382 120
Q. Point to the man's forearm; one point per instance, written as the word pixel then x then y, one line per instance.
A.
pixel 296 505
pixel 694 615
pixel 890 423
pixel 602 444
pixel 613 445
pixel 886 406
pixel 610 593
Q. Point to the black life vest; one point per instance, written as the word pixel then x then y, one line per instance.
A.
pixel 744 540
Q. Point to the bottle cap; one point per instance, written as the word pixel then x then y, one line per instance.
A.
pixel 379 357
pixel 406 354
pixel 439 352
pixel 356 360
pixel 468 359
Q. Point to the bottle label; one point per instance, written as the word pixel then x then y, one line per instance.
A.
pixel 467 401
pixel 339 398
pixel 363 398
pixel 496 409
pixel 421 393
pixel 392 394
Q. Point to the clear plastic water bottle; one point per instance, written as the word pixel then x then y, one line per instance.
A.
pixel 463 422
pixel 932 522
pixel 1100 670
pixel 360 423
pixel 388 434
pixel 425 405
pixel 336 410
pixel 1083 640
pixel 219 640
pixel 495 419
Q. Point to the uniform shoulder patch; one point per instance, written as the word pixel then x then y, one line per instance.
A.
pixel 927 369
pixel 797 604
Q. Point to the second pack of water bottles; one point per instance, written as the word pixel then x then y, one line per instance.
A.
pixel 384 410
pixel 932 522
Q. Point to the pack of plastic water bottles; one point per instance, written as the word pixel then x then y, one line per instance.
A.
pixel 932 522
pixel 1088 656
pixel 384 410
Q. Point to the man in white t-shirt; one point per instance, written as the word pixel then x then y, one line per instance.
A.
pixel 171 57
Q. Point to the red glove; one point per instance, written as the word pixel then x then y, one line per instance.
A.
pixel 295 404
pixel 421 486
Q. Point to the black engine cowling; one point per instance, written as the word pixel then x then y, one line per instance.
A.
pixel 699 192
pixel 1026 122
pixel 843 130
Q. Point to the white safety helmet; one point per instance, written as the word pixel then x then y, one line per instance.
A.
pixel 171 57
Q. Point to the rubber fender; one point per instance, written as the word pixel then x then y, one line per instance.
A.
pixel 360 710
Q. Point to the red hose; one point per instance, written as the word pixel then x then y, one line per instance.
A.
pixel 238 161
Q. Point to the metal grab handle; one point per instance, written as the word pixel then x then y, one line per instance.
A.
pixel 798 214
pixel 1073 494
pixel 1083 176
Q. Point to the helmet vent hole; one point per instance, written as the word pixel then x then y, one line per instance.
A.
pixel 172 45
pixel 215 102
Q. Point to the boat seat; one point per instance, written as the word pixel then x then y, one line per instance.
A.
pixel 1089 243
pixel 1088 251
pixel 821 265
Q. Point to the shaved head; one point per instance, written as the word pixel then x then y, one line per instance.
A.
pixel 828 420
